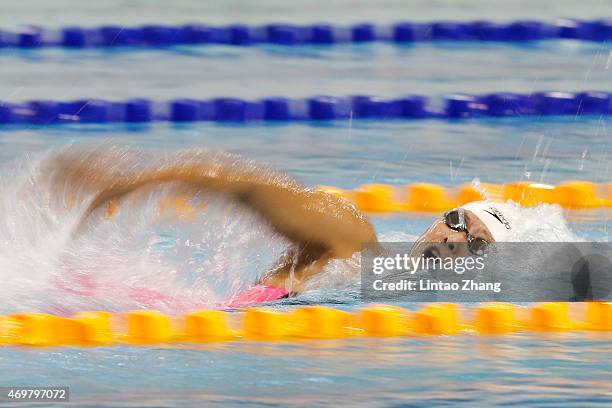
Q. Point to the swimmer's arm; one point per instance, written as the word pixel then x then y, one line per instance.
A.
pixel 307 217
pixel 320 225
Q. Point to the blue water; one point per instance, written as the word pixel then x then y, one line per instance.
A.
pixel 467 371
pixel 518 370
pixel 254 72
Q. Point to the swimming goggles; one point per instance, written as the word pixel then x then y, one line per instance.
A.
pixel 455 220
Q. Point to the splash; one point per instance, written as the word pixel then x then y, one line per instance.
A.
pixel 160 252
pixel 544 223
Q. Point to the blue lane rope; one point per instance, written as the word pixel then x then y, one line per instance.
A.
pixel 457 106
pixel 290 34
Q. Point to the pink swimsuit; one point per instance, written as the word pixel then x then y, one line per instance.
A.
pixel 257 294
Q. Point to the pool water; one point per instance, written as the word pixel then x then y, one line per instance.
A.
pixel 521 370
pixel 206 260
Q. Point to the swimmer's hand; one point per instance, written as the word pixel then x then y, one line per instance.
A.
pixel 320 225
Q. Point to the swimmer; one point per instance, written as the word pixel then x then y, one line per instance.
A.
pixel 319 225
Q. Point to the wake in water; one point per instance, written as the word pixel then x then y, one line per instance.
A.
pixel 165 245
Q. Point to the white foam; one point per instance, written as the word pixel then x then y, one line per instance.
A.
pixel 127 258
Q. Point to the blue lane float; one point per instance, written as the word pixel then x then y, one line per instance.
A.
pixel 295 35
pixel 317 108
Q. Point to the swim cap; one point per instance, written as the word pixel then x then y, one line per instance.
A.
pixel 499 218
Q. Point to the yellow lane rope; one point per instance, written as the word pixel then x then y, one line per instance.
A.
pixel 425 197
pixel 145 327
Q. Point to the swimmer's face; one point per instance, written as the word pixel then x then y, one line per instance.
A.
pixel 441 241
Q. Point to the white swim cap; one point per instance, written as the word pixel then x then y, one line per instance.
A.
pixel 499 218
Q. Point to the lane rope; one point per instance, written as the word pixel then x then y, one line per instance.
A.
pixel 427 197
pixel 293 35
pixel 317 108
pixel 147 327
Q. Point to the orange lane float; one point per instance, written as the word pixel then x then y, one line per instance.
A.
pixel 426 197
pixel 149 327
